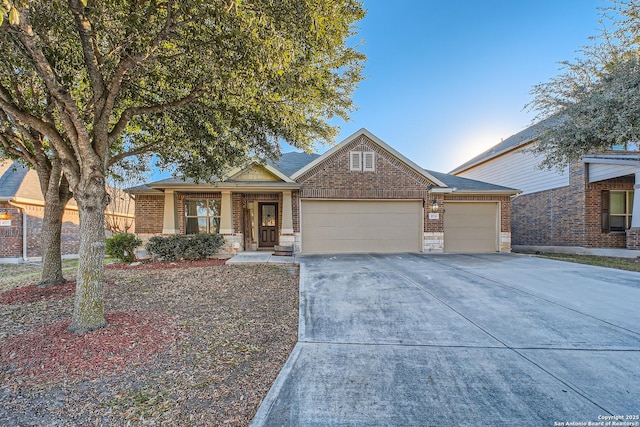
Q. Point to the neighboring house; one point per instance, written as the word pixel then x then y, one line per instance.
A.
pixel 588 204
pixel 360 196
pixel 22 211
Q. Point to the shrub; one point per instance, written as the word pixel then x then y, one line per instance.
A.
pixel 122 246
pixel 193 247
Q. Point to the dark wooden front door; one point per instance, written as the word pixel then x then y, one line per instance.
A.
pixel 268 225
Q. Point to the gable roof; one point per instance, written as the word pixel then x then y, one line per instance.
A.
pixel 12 178
pixel 462 185
pixel 380 143
pixel 518 140
pixel 293 161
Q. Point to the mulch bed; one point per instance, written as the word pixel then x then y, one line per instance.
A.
pixel 155 265
pixel 33 293
pixel 189 343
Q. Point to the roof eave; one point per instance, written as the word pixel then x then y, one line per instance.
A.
pixel 493 156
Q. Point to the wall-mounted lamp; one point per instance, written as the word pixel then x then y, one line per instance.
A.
pixel 4 216
pixel 434 205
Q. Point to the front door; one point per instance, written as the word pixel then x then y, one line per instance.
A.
pixel 268 225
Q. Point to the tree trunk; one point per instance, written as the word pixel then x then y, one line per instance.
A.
pixel 51 240
pixel 88 313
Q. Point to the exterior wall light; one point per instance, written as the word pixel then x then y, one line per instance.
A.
pixel 4 216
pixel 434 205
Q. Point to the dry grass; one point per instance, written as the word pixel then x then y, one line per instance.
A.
pixel 232 329
pixel 630 264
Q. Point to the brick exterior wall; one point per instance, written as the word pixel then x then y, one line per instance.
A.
pixel 333 179
pixel 11 238
pixel 567 216
pixel 149 213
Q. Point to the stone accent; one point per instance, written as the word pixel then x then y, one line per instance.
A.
pixel 633 239
pixel 505 242
pixel 433 242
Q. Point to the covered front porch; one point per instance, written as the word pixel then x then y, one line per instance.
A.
pixel 618 201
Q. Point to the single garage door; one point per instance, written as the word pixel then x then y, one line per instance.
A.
pixel 470 227
pixel 343 226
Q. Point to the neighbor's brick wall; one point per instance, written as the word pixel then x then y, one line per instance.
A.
pixel 149 213
pixel 548 218
pixel 594 236
pixel 11 237
pixel 70 237
pixel 567 216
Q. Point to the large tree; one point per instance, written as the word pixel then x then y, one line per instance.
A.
pixel 595 100
pixel 202 83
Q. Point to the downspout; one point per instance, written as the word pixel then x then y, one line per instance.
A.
pixel 24 230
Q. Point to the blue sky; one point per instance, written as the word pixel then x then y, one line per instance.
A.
pixel 448 79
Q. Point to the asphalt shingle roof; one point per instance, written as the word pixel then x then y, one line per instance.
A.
pixel 466 184
pixel 293 161
pixel 11 180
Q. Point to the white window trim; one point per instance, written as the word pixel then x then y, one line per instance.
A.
pixel 355 160
pixel 372 157
pixel 358 161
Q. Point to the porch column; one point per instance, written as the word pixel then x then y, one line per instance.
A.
pixel 287 213
pixel 226 214
pixel 635 219
pixel 169 225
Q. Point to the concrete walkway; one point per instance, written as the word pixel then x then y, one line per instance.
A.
pixel 261 257
pixel 460 340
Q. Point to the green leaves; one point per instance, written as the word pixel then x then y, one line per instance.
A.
pixel 594 103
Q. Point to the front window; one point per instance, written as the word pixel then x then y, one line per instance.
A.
pixel 620 209
pixel 202 216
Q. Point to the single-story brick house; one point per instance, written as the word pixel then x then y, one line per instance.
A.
pixel 360 196
pixel 588 204
pixel 22 212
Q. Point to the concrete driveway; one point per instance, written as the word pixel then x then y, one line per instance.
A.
pixel 460 340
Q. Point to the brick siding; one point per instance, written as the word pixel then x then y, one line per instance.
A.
pixel 391 179
pixel 567 216
pixel 149 213
pixel 11 238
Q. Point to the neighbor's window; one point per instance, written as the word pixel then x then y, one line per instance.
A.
pixel 202 216
pixel 617 209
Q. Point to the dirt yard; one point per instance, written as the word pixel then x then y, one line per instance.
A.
pixel 188 344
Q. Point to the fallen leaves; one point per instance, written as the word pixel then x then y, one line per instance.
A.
pixel 185 345
pixel 34 293
pixel 52 353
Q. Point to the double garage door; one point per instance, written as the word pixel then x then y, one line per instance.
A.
pixel 351 226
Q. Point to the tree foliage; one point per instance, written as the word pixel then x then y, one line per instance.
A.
pixel 201 83
pixel 594 102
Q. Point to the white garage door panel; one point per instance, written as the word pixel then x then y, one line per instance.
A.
pixel 471 227
pixel 331 226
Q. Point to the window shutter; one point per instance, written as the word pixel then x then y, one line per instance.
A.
pixel 605 211
pixel 368 160
pixel 355 160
